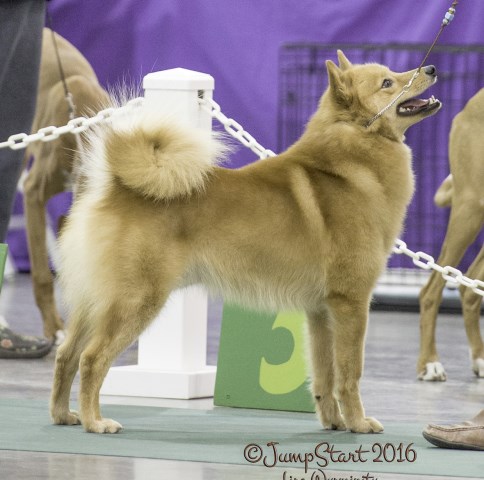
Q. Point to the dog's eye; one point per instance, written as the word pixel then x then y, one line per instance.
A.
pixel 387 83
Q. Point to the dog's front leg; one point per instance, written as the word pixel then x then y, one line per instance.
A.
pixel 322 370
pixel 350 318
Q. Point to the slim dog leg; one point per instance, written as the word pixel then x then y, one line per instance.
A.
pixel 37 192
pixel 322 375
pixel 428 366
pixel 115 331
pixel 471 310
pixel 350 318
pixel 464 224
pixel 66 366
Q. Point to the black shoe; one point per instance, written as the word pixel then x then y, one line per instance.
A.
pixel 13 345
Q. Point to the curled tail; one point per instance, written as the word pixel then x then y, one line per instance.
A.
pixel 153 155
pixel 443 195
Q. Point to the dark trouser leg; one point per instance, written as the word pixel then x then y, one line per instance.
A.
pixel 21 24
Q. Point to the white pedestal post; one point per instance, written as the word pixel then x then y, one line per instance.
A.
pixel 172 351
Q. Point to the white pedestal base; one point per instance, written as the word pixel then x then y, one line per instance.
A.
pixel 136 381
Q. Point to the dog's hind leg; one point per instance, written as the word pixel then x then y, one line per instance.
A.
pixel 115 330
pixel 471 310
pixel 66 366
pixel 465 221
pixel 350 319
pixel 322 370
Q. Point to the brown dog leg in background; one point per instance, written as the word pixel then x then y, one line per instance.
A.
pixel 463 191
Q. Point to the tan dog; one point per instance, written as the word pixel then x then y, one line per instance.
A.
pixel 463 191
pixel 309 229
pixel 52 168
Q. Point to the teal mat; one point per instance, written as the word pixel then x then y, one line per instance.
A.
pixel 223 434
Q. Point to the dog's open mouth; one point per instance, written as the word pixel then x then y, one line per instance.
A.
pixel 414 106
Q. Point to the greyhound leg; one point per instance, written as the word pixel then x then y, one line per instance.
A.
pixel 37 191
pixel 464 225
pixel 471 309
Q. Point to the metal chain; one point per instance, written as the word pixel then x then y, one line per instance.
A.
pixel 450 274
pixel 76 125
pixel 235 129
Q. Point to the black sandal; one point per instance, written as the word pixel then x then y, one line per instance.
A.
pixel 13 345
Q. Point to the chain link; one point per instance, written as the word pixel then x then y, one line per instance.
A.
pixel 235 129
pixel 76 125
pixel 450 274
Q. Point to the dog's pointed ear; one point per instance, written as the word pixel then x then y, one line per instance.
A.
pixel 344 63
pixel 337 84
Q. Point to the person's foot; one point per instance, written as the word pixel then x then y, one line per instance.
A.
pixel 13 345
pixel 463 436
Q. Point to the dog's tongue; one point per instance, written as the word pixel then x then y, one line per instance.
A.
pixel 415 103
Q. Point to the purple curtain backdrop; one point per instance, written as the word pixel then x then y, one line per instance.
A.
pixel 238 41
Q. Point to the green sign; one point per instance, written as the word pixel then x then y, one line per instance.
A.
pixel 3 259
pixel 261 361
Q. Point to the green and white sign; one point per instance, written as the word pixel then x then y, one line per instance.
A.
pixel 261 361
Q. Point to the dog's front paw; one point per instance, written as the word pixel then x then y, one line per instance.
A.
pixel 478 367
pixel 433 372
pixel 329 414
pixel 105 425
pixel 69 418
pixel 366 425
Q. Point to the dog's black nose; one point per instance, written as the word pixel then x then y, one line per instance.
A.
pixel 430 70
